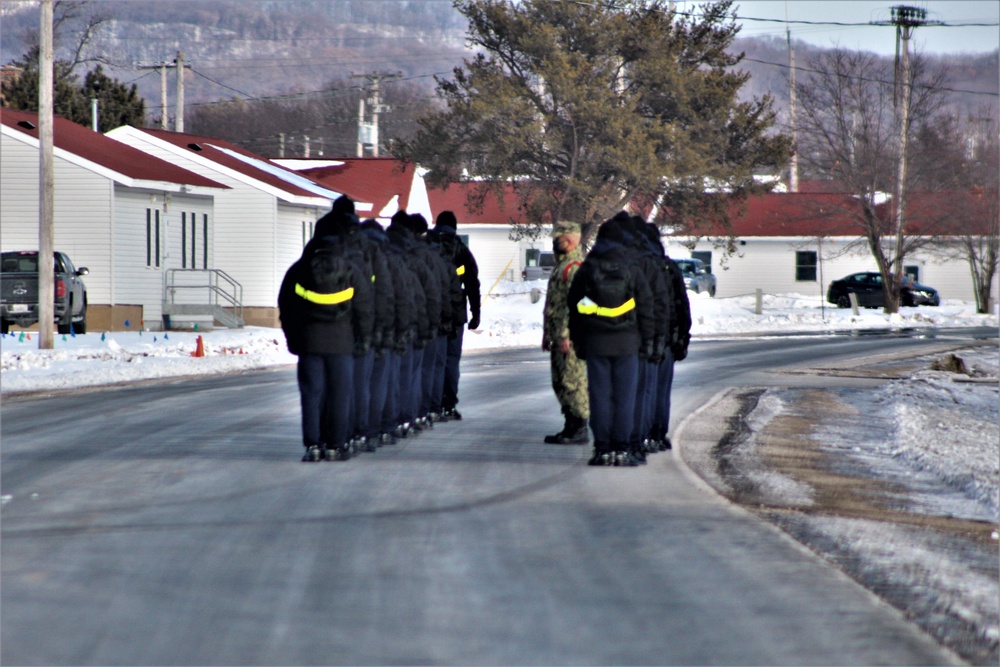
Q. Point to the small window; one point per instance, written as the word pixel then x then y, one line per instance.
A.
pixel 531 256
pixel 464 238
pixel 184 225
pixel 706 258
pixel 152 238
pixel 913 272
pixel 805 266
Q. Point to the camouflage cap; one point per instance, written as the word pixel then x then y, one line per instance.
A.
pixel 564 227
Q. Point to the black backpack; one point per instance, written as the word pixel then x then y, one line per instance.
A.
pixel 609 287
pixel 331 280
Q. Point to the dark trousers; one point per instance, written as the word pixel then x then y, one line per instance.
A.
pixel 435 361
pixel 645 401
pixel 664 385
pixel 440 367
pixel 404 406
pixel 325 389
pixel 611 382
pixel 449 398
pixel 390 412
pixel 362 393
pixel 415 392
pixel 379 393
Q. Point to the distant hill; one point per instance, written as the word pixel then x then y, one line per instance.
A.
pixel 290 49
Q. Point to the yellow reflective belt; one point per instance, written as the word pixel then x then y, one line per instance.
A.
pixel 460 270
pixel 325 299
pixel 588 307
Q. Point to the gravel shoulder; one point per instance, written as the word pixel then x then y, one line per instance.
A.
pixel 849 472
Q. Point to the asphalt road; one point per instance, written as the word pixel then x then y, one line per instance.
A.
pixel 172 523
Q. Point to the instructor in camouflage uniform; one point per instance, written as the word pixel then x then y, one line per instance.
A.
pixel 569 374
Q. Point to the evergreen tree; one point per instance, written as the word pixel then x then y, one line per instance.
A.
pixel 585 108
pixel 117 104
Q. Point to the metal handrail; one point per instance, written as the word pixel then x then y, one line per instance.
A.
pixel 223 290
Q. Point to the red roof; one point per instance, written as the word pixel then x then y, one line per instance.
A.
pixel 456 199
pixel 797 214
pixel 372 179
pixel 216 150
pixel 101 150
pixel 819 214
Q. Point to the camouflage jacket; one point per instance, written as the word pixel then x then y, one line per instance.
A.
pixel 556 322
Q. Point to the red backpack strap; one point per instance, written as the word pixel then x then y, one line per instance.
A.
pixel 569 266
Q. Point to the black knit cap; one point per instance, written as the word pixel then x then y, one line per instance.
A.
pixel 417 223
pixel 446 220
pixel 399 220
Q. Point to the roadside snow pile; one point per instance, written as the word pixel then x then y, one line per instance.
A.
pixel 950 428
pixel 123 356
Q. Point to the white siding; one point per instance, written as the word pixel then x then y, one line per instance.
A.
pixel 494 252
pixel 82 211
pixel 253 232
pixel 769 264
pixel 135 282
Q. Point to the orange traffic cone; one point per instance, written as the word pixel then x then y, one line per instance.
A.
pixel 200 350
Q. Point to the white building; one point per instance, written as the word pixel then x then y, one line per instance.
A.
pixel 117 211
pixel 262 221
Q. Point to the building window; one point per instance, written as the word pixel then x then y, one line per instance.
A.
pixel 152 238
pixel 184 225
pixel 805 266
pixel 204 240
pixel 705 256
pixel 913 272
pixel 194 242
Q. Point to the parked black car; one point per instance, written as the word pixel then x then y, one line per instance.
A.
pixel 870 289
pixel 19 292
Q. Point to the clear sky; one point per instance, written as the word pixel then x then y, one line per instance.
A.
pixel 936 39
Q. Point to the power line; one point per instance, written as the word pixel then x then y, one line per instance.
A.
pixel 870 80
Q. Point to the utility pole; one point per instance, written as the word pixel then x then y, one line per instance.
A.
pixel 46 183
pixel 905 19
pixel 163 95
pixel 179 121
pixel 179 65
pixel 368 131
pixel 793 175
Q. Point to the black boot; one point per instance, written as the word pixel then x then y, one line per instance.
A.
pixel 575 432
pixel 556 438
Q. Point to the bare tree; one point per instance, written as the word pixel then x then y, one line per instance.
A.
pixel 848 134
pixel 75 24
pixel 968 162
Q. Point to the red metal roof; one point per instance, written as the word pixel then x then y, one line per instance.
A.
pixel 208 148
pixel 797 214
pixel 456 199
pixel 371 179
pixel 99 149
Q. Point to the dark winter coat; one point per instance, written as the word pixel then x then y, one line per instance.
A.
pixel 425 287
pixel 311 321
pixel 458 255
pixel 604 333
pixel 384 333
pixel 680 323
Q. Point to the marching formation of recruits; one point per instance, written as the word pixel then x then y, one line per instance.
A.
pixel 376 318
pixel 629 320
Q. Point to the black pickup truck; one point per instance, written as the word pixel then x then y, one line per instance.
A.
pixel 19 292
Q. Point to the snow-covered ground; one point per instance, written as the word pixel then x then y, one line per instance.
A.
pixel 945 430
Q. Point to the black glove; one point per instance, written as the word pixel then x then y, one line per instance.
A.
pixel 361 347
pixel 474 322
pixel 680 352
